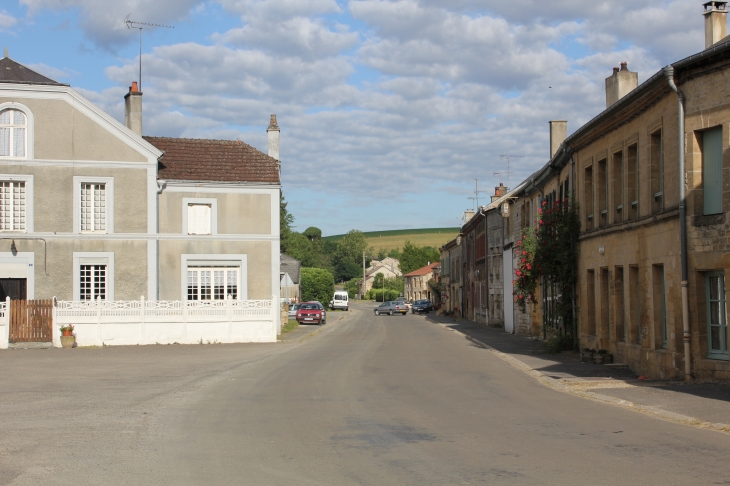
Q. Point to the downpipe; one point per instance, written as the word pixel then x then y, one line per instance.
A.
pixel 669 73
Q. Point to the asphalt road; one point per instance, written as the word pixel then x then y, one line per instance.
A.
pixel 370 400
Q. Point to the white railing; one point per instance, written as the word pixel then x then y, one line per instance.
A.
pixel 103 322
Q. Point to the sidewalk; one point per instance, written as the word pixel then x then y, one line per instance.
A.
pixel 704 405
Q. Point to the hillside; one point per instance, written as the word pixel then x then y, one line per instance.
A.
pixel 388 240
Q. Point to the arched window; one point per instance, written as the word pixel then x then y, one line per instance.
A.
pixel 13 133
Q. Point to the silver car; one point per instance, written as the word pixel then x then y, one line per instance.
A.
pixel 390 308
pixel 293 311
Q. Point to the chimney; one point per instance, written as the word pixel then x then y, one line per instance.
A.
pixel 133 109
pixel 715 22
pixel 620 83
pixel 558 134
pixel 468 214
pixel 499 191
pixel 273 133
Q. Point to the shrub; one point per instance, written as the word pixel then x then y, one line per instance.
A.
pixel 317 284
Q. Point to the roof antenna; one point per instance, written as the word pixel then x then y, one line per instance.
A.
pixel 133 24
pixel 6 51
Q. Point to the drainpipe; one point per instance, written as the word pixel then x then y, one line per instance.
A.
pixel 669 73
pixel 161 185
pixel 576 340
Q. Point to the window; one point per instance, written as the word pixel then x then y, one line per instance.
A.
pixel 591 302
pixel 93 208
pixel 632 182
pixel 93 276
pixel 13 124
pixel 605 303
pixel 602 193
pixel 617 179
pixel 211 283
pixel 588 202
pixel 92 282
pixel 660 306
pixel 712 170
pixel 635 304
pixel 93 205
pixel 716 316
pixel 12 206
pixel 656 164
pixel 199 219
pixel 618 308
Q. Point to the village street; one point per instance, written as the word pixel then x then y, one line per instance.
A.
pixel 367 400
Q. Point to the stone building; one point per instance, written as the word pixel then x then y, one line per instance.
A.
pixel 415 283
pixel 451 271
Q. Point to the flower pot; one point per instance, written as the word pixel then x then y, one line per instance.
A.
pixel 68 333
pixel 67 341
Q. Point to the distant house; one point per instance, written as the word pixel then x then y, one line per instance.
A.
pixel 290 275
pixel 415 283
pixel 389 267
pixel 94 213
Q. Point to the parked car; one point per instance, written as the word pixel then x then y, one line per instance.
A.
pixel 340 300
pixel 403 301
pixel 390 308
pixel 293 311
pixel 422 305
pixel 311 313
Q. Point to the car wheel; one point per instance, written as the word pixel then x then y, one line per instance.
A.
pixel 377 313
pixel 390 313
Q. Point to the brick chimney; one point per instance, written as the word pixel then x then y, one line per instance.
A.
pixel 273 133
pixel 133 109
pixel 620 83
pixel 499 191
pixel 558 134
pixel 715 22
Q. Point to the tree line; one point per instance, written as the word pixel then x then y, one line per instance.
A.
pixel 341 261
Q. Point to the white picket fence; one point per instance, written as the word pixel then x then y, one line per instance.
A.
pixel 103 322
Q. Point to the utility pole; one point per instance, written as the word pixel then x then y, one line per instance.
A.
pixel 362 294
pixel 133 24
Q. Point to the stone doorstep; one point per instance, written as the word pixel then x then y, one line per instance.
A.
pixel 30 345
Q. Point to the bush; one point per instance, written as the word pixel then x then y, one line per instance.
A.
pixel 377 295
pixel 317 284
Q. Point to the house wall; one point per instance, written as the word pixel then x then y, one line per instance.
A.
pixel 495 244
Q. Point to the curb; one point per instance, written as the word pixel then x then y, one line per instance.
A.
pixel 556 385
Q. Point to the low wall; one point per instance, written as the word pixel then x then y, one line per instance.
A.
pixel 98 323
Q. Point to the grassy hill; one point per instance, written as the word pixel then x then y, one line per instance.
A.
pixel 388 240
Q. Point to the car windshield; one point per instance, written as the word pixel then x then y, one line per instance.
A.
pixel 295 307
pixel 308 307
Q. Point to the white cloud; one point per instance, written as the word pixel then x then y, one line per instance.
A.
pixel 7 21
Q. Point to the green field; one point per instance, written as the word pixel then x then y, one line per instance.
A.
pixel 387 240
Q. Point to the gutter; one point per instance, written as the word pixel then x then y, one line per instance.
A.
pixel 669 73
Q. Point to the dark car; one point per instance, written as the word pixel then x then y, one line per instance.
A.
pixel 390 308
pixel 422 306
pixel 311 313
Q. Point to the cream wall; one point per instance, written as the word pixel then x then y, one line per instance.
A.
pixel 238 213
pixel 62 132
pixel 259 263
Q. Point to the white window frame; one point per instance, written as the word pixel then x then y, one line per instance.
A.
pixel 214 261
pixel 109 189
pixel 212 202
pixel 29 133
pixel 225 269
pixel 93 258
pixel 29 213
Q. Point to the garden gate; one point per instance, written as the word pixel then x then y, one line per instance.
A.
pixel 31 321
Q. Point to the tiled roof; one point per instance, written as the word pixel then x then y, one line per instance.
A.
pixel 291 266
pixel 423 271
pixel 13 72
pixel 194 159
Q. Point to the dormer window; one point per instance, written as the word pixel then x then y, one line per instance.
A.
pixel 13 133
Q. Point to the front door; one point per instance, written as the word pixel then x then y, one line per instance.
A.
pixel 15 288
pixel 509 304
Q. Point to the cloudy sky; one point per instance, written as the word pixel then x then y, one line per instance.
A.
pixel 389 110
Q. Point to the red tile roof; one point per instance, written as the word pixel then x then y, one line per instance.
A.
pixel 194 159
pixel 423 271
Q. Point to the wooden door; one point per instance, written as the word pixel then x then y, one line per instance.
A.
pixel 31 321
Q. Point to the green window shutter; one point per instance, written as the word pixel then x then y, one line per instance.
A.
pixel 712 170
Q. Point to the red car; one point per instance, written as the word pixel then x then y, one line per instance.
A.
pixel 311 313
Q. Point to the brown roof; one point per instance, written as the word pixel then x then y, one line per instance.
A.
pixel 194 159
pixel 13 72
pixel 423 270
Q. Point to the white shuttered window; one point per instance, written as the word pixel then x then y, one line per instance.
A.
pixel 12 206
pixel 93 208
pixel 13 125
pixel 199 219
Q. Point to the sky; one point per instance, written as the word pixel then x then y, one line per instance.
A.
pixel 392 113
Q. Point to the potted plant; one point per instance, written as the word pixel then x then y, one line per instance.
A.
pixel 67 336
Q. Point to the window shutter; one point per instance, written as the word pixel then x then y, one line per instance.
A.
pixel 712 170
pixel 199 216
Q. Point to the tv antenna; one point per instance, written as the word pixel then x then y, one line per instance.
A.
pixel 476 192
pixel 133 24
pixel 507 172
pixel 472 201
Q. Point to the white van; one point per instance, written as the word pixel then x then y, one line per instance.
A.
pixel 340 300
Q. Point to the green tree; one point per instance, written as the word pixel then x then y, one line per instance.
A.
pixel 351 247
pixel 414 257
pixel 313 233
pixel 286 220
pixel 317 284
pixel 308 252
